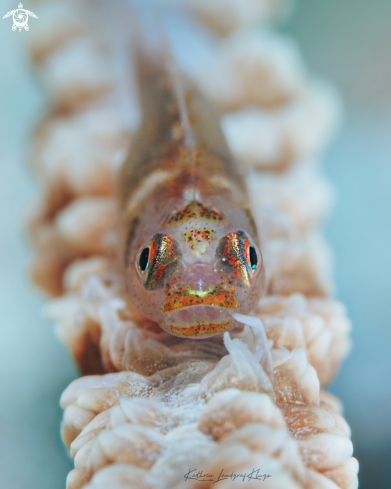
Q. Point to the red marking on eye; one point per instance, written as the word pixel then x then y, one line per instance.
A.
pixel 164 252
pixel 159 272
pixel 234 248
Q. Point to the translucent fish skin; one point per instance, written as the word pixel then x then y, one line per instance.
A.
pixel 190 245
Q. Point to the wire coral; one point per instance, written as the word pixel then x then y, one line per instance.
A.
pixel 152 410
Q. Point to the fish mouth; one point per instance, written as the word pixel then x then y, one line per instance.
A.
pixel 186 298
pixel 198 321
pixel 198 331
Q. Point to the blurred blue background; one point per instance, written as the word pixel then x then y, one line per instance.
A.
pixel 34 367
pixel 347 42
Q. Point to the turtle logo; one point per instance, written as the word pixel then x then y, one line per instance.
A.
pixel 21 17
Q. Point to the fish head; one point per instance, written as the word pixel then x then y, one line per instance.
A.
pixel 191 276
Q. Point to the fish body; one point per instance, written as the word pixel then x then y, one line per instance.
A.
pixel 190 244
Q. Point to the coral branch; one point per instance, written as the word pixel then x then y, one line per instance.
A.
pixel 151 407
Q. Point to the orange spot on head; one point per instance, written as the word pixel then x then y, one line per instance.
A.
pixel 195 210
pixel 200 235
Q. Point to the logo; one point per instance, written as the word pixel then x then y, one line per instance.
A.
pixel 21 17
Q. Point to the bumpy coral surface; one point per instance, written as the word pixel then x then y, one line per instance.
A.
pixel 152 410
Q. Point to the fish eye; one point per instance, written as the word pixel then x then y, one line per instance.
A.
pixel 144 259
pixel 253 258
pixel 239 257
pixel 156 259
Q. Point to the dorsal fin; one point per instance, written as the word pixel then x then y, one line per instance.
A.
pixel 180 134
pixel 178 84
pixel 162 88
